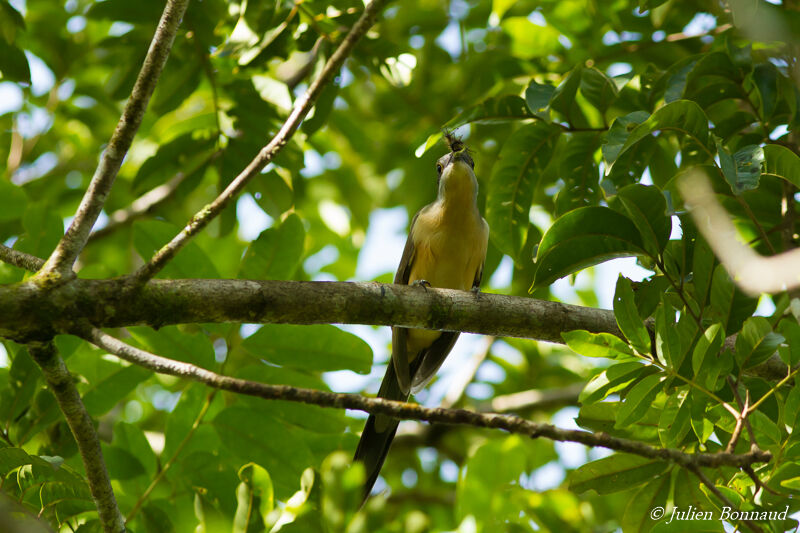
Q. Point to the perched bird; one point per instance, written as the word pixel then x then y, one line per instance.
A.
pixel 446 248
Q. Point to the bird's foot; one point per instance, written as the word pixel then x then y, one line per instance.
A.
pixel 424 283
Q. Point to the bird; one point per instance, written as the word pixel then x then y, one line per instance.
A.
pixel 446 248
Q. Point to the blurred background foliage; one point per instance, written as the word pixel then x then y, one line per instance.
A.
pixel 576 111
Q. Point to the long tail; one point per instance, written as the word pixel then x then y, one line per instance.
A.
pixel 379 432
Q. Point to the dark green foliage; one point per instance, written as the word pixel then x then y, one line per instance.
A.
pixel 581 116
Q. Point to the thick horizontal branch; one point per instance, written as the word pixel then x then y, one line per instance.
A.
pixel 28 311
pixel 409 411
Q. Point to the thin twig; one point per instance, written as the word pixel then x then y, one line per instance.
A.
pixel 172 459
pixel 757 480
pixel 408 411
pixel 724 499
pixel 302 107
pixel 537 399
pixel 148 201
pixel 20 259
pixel 467 374
pixel 72 243
pixel 60 382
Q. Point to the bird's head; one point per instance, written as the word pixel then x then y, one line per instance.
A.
pixel 456 169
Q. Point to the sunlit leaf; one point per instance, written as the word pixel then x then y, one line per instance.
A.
pixel 617 472
pixel 511 188
pixel 582 238
pixel 317 347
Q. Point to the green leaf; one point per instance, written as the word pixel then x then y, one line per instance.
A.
pixel 131 438
pixel 10 21
pixel 67 498
pixel 190 262
pixel 316 347
pixel 756 343
pixel 618 133
pixel 538 96
pixel 580 173
pixel 13 458
pixel 182 154
pixel 563 98
pixel 602 417
pixel 255 486
pixel 766 431
pixel 782 163
pixel 122 464
pixel 707 347
pixel 597 344
pixel 493 110
pixel 272 193
pixel 639 399
pixel 482 489
pixel 310 417
pixel 620 471
pixel 765 76
pixel 528 40
pixel 790 354
pixel 254 436
pixel 703 261
pixel 43 230
pixel 701 425
pixel 647 208
pixel 174 343
pixel 513 182
pixel 582 238
pixel 322 109
pixel 609 381
pixel 102 397
pixel 627 316
pixel 637 516
pixel 729 305
pixel 683 116
pixel 276 253
pixel 13 64
pixel 749 161
pixel 137 12
pixel 675 421
pixel 176 84
pixel 13 201
pixel 599 89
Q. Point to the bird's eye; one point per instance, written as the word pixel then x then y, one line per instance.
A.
pixel 439 168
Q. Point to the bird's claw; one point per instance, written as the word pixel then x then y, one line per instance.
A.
pixel 424 283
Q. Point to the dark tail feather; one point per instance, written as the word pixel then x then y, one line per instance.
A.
pixel 379 432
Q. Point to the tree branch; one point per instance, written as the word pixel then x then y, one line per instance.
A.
pixel 60 382
pixel 20 259
pixel 753 273
pixel 28 312
pixel 60 262
pixel 537 399
pixel 409 411
pixel 302 106
pixel 724 499
pixel 148 201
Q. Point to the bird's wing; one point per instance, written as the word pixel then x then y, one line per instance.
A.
pixel 432 358
pixel 404 268
pixel 400 335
